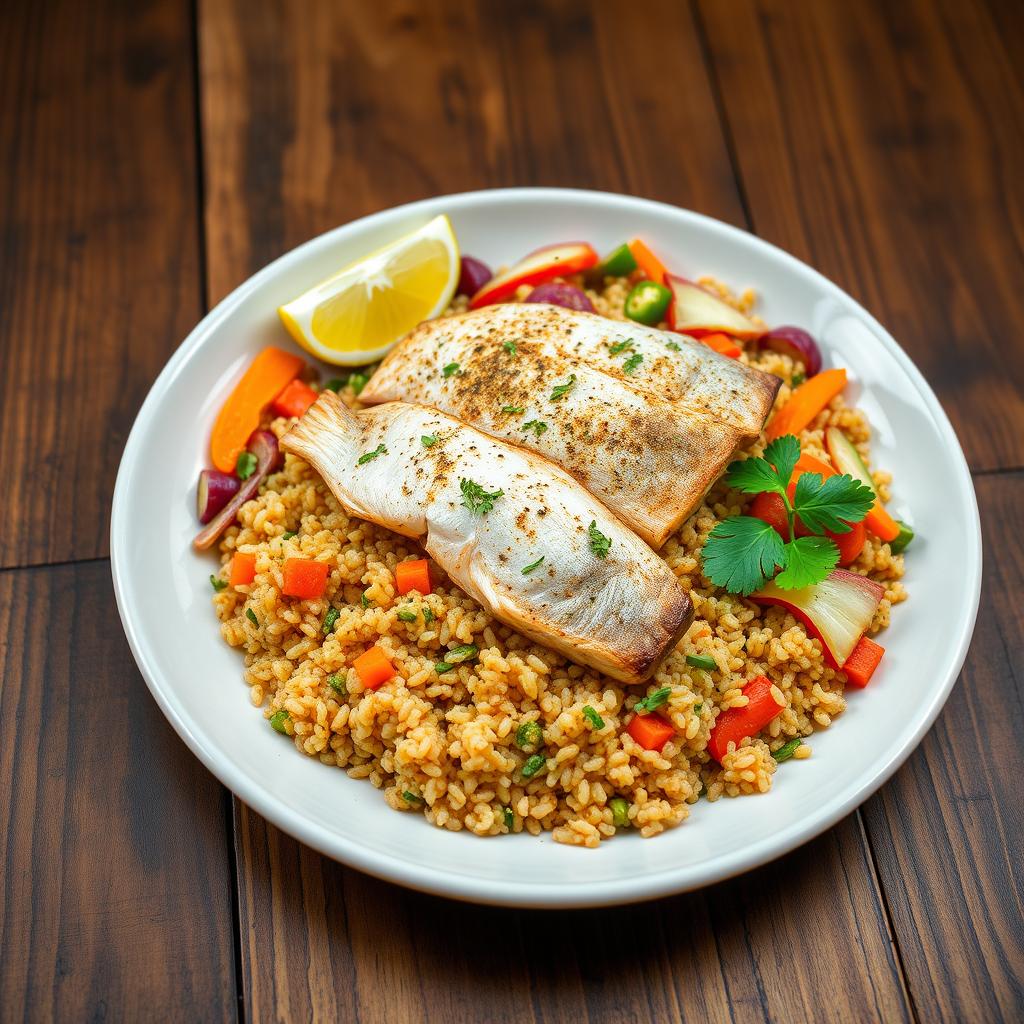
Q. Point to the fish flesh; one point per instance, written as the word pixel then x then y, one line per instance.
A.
pixel 511 529
pixel 646 420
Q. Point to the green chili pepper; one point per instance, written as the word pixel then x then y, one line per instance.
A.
pixel 647 303
pixel 619 262
pixel 787 750
pixel 533 765
pixel 529 735
pixel 703 661
pixel 277 720
pixel 620 812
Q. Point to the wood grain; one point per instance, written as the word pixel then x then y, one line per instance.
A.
pixel 948 831
pixel 318 114
pixel 116 899
pixel 309 120
pixel 884 144
pixel 99 257
pixel 322 942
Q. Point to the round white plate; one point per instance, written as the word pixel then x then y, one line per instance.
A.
pixel 163 592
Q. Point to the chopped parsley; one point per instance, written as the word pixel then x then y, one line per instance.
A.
pixel 428 614
pixel 218 584
pixel 370 456
pixel 476 499
pixel 513 409
pixel 560 390
pixel 593 717
pixel 698 707
pixel 537 426
pixel 653 700
pixel 510 347
pixel 450 370
pixel 245 466
pixel 428 440
pixel 742 552
pixel 364 600
pixel 674 345
pixel 599 543
pixel 406 615
pixel 798 379
pixel 527 569
pixel 411 798
pixel 632 362
pixel 330 619
pixel 620 346
pixel 251 616
pixel 337 684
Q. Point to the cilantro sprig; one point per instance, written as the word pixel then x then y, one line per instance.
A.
pixel 742 553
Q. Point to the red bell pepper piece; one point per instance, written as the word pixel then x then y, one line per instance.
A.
pixel 734 724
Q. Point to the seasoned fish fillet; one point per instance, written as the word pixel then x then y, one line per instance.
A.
pixel 621 613
pixel 647 439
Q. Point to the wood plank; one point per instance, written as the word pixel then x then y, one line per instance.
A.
pixel 116 899
pixel 322 942
pixel 312 118
pixel 99 275
pixel 948 831
pixel 884 144
pixel 316 115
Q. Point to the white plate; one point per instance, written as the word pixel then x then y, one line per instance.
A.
pixel 163 592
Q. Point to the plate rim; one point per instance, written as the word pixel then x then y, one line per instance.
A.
pixel 553 895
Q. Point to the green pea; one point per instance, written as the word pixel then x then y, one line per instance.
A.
pixel 533 765
pixel 277 720
pixel 620 812
pixel 529 736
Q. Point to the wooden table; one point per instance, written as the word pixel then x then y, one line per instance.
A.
pixel 154 155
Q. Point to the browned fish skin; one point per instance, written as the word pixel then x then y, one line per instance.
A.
pixel 648 458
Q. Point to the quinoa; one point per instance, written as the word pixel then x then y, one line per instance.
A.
pixel 444 746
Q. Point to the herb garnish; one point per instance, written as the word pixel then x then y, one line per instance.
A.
pixel 560 390
pixel 245 465
pixel 632 362
pixel 406 615
pixel 653 700
pixel 370 456
pixel 410 797
pixel 593 717
pixel 288 534
pixel 450 369
pixel 428 614
pixel 364 600
pixel 218 584
pixel 674 345
pixel 513 409
pixel 620 346
pixel 251 616
pixel 798 379
pixel 787 750
pixel 599 543
pixel 742 552
pixel 358 381
pixel 428 440
pixel 510 347
pixel 537 426
pixel 330 619
pixel 476 499
pixel 527 569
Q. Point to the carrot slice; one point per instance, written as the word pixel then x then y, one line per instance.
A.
pixel 652 267
pixel 722 344
pixel 305 578
pixel 651 731
pixel 806 402
pixel 734 724
pixel 296 398
pixel 267 376
pixel 413 576
pixel 373 668
pixel 861 664
pixel 243 568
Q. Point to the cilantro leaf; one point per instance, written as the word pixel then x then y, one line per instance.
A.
pixel 832 504
pixel 428 440
pixel 741 553
pixel 370 456
pixel 674 345
pixel 559 390
pixel 754 476
pixel 783 454
pixel 599 543
pixel 510 347
pixel 620 346
pixel 632 362
pixel 537 426
pixel 450 369
pixel 476 499
pixel 808 561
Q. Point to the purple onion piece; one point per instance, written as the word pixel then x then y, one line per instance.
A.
pixel 557 293
pixel 263 444
pixel 214 491
pixel 473 275
pixel 794 342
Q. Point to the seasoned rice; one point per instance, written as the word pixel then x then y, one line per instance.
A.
pixel 444 746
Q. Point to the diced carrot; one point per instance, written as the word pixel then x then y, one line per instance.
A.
pixel 806 402
pixel 413 576
pixel 296 398
pixel 651 731
pixel 722 344
pixel 243 568
pixel 649 264
pixel 861 664
pixel 305 578
pixel 239 416
pixel 734 724
pixel 373 668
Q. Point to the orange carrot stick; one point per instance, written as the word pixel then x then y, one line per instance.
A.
pixel 652 267
pixel 722 344
pixel 861 664
pixel 806 402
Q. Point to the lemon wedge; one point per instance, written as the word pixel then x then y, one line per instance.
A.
pixel 357 314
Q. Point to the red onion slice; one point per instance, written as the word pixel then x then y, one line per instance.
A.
pixel 473 275
pixel 214 490
pixel 796 343
pixel 557 293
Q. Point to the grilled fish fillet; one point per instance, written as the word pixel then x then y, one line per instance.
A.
pixel 648 436
pixel 621 613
